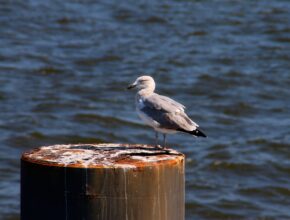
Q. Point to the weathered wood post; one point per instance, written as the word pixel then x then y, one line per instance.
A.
pixel 102 182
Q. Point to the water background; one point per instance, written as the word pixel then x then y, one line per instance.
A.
pixel 64 67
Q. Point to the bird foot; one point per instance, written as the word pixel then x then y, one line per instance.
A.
pixel 158 146
pixel 163 148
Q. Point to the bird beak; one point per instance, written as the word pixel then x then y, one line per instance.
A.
pixel 132 86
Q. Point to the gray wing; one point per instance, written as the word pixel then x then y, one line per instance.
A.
pixel 167 112
pixel 171 101
pixel 163 103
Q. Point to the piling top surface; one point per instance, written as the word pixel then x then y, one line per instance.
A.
pixel 102 156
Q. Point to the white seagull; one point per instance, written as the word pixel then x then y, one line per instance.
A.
pixel 160 112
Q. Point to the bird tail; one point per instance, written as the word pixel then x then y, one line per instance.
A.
pixel 197 132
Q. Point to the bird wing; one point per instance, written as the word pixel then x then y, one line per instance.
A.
pixel 167 112
pixel 172 102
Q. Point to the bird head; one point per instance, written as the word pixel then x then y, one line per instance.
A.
pixel 143 82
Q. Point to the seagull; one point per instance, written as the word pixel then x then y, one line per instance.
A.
pixel 162 113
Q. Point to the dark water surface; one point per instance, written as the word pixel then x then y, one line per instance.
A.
pixel 64 66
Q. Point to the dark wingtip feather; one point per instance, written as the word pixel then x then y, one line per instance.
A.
pixel 197 132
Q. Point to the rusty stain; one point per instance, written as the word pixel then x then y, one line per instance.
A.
pixel 103 156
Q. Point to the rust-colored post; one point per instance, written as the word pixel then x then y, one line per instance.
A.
pixel 102 182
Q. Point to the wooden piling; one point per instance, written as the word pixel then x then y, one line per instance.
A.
pixel 102 182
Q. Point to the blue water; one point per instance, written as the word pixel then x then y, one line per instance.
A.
pixel 64 67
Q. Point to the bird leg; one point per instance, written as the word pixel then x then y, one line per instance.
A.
pixel 156 138
pixel 164 141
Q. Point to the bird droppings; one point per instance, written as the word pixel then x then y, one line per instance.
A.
pixel 102 155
